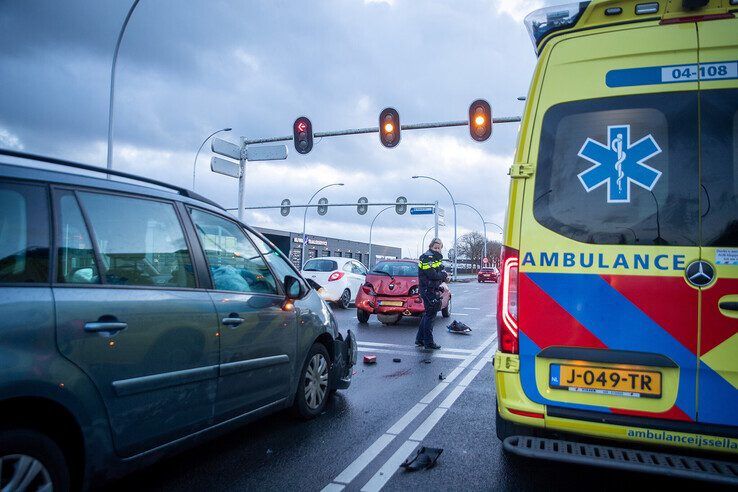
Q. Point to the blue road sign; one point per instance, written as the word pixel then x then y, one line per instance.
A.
pixel 422 211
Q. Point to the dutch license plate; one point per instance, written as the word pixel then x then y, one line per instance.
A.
pixel 606 381
pixel 390 303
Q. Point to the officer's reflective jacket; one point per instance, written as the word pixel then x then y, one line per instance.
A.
pixel 430 273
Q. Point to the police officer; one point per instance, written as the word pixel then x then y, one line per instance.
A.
pixel 430 278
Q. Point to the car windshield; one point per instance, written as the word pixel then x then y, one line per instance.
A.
pixel 320 266
pixel 397 268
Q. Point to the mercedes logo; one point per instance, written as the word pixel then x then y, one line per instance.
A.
pixel 700 273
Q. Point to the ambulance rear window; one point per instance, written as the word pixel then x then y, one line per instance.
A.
pixel 621 170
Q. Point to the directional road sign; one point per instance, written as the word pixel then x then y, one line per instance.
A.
pixel 266 153
pixel 222 166
pixel 421 211
pixel 226 148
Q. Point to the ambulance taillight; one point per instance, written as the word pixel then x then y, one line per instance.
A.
pixel 507 302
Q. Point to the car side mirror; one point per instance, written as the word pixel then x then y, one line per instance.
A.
pixel 292 287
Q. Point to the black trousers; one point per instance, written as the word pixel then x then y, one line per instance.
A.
pixel 425 330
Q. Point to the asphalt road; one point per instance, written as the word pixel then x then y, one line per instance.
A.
pixel 390 409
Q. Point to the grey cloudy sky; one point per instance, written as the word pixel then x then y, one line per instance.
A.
pixel 188 68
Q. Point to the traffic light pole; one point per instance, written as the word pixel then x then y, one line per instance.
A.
pixel 375 129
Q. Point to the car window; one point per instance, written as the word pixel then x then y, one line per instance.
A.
pixel 346 267
pixel 140 241
pixel 76 258
pixel 235 263
pixel 24 234
pixel 320 266
pixel 356 268
pixel 620 170
pixel 397 268
pixel 279 263
pixel 719 164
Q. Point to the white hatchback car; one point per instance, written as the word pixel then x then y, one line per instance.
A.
pixel 340 278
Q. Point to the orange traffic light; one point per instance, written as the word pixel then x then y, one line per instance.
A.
pixel 389 127
pixel 480 120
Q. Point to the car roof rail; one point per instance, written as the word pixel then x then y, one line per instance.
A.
pixel 97 169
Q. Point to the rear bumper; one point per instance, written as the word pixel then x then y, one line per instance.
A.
pixel 345 355
pixel 677 466
pixel 411 305
pixel 515 407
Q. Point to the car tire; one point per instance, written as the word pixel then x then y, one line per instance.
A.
pixel 51 466
pixel 362 316
pixel 345 301
pixel 312 388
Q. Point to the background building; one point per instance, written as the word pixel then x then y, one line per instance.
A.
pixel 290 243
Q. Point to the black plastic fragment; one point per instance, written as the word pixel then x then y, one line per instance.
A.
pixel 424 459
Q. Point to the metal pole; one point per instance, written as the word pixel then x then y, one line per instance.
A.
pixel 194 166
pixel 304 223
pixel 371 227
pixel 484 226
pixel 112 84
pixel 241 186
pixel 436 218
pixel 456 251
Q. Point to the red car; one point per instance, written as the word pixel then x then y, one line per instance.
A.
pixel 391 292
pixel 488 274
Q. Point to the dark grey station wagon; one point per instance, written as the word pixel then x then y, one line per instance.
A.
pixel 136 318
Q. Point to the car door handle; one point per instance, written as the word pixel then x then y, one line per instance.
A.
pixel 234 321
pixel 105 326
pixel 729 305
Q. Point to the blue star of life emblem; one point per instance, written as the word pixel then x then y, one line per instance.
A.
pixel 619 163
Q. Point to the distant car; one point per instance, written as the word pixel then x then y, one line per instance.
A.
pixel 391 292
pixel 340 278
pixel 488 274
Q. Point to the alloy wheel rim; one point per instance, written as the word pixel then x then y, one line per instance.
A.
pixel 316 381
pixel 345 299
pixel 22 472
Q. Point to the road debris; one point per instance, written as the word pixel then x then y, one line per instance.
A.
pixel 424 459
pixel 370 359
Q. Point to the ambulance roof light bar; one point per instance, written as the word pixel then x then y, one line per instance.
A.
pixel 544 21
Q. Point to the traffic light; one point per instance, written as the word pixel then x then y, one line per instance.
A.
pixel 285 208
pixel 389 127
pixel 480 120
pixel 361 205
pixel 302 134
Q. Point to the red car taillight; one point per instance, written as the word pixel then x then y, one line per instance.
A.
pixel 507 302
pixel 335 276
pixel 368 289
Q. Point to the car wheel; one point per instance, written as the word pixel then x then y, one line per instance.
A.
pixel 312 390
pixel 345 299
pixel 30 460
pixel 362 316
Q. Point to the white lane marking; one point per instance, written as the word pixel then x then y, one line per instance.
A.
pixel 455 393
pixel 490 316
pixel 364 459
pixel 487 358
pixel 468 378
pixel 406 419
pixel 453 374
pixel 389 468
pixel 435 354
pixel 428 424
pixel 333 487
pixel 459 314
pixel 433 393
pixel 473 309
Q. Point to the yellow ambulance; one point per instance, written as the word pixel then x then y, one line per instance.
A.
pixel 618 300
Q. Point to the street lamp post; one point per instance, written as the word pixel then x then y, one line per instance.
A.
pixel 456 250
pixel 422 246
pixel 484 227
pixel 194 166
pixel 112 83
pixel 304 222
pixel 371 227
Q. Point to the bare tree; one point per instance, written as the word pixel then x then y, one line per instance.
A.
pixel 471 247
